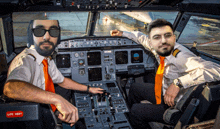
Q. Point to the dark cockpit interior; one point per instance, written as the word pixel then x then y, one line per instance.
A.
pixel 89 55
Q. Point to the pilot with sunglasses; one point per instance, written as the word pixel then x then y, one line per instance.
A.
pixel 26 80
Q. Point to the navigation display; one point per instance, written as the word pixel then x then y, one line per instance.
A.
pixel 121 57
pixel 63 61
pixel 94 58
pixel 95 74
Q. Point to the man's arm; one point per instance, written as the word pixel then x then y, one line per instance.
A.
pixel 136 36
pixel 27 92
pixel 197 71
pixel 171 94
pixel 70 84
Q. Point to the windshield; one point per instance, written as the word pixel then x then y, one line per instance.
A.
pixel 73 24
pixel 205 32
pixel 129 21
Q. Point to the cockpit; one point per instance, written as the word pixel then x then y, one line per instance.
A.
pixel 89 55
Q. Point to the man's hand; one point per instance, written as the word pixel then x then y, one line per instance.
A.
pixel 95 90
pixel 116 33
pixel 171 94
pixel 68 112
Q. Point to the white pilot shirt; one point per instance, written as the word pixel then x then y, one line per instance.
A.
pixel 186 66
pixel 28 67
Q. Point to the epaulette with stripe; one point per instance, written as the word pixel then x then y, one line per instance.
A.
pixel 50 57
pixel 175 52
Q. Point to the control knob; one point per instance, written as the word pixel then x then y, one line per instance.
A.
pixel 107 76
pixel 81 71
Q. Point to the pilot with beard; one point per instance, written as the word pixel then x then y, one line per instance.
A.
pixel 179 69
pixel 28 73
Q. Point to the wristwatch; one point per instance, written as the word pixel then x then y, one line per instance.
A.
pixel 177 83
pixel 87 89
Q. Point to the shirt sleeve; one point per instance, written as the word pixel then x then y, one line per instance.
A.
pixel 20 69
pixel 138 37
pixel 196 70
pixel 56 75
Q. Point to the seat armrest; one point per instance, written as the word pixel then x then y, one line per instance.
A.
pixel 172 115
pixel 193 92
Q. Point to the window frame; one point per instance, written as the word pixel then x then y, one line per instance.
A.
pixel 216 17
pixel 1 46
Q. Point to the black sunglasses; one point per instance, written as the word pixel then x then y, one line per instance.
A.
pixel 39 32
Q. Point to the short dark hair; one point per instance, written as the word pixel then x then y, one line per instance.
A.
pixel 158 23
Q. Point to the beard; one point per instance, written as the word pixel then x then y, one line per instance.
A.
pixel 165 51
pixel 46 51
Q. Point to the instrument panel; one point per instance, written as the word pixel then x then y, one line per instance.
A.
pixel 97 4
pixel 96 62
pixel 100 59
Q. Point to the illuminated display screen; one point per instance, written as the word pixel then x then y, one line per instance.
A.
pixel 137 56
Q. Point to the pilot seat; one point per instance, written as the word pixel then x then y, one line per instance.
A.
pixel 199 106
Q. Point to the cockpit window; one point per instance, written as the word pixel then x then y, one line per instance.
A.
pixel 129 21
pixel 73 24
pixel 205 32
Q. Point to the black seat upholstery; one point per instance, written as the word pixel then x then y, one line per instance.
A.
pixel 31 115
pixel 173 114
pixel 200 102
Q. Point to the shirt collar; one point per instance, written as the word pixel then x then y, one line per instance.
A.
pixel 39 58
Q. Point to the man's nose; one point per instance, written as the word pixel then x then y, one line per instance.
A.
pixel 46 36
pixel 163 39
